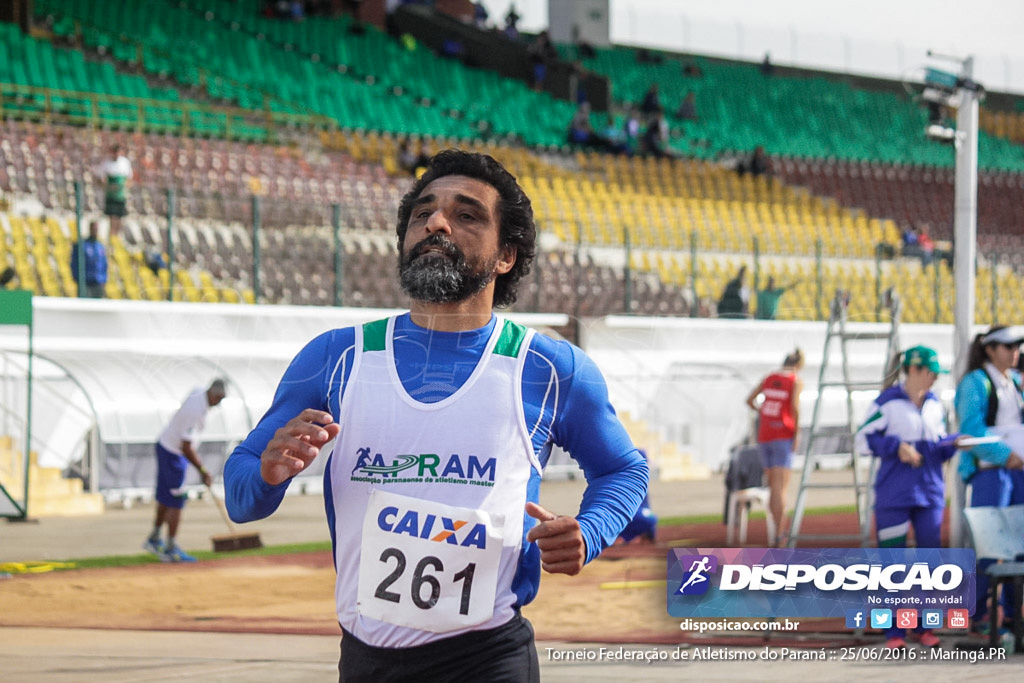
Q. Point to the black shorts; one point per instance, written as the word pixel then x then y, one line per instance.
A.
pixel 505 654
pixel 115 207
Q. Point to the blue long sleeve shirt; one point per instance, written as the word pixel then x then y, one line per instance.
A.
pixel 972 397
pixel 565 403
pixel 95 262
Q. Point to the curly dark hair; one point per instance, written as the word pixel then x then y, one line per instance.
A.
pixel 517 228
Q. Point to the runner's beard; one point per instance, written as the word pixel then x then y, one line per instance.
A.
pixel 442 278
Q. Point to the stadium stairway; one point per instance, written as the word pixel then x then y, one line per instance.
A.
pixel 49 493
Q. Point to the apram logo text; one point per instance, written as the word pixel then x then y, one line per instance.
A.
pixel 424 467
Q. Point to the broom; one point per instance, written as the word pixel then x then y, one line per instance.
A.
pixel 233 540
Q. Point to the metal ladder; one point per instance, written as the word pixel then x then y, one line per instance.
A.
pixel 837 330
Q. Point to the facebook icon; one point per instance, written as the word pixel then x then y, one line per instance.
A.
pixel 854 618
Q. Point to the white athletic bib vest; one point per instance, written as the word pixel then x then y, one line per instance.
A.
pixel 429 498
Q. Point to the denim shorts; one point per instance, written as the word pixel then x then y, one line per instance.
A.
pixel 776 453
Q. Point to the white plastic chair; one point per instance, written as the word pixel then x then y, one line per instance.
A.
pixel 737 513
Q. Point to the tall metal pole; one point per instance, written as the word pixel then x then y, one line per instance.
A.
pixel 965 235
pixel 965 219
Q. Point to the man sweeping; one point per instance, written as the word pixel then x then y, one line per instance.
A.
pixel 174 450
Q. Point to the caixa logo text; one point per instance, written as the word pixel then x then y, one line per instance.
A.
pixel 432 527
pixel 830 577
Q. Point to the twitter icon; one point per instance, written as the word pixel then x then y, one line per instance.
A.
pixel 881 618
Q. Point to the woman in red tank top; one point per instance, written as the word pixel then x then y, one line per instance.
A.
pixel 778 430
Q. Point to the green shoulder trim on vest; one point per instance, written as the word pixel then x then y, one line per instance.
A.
pixel 876 416
pixel 512 336
pixel 374 335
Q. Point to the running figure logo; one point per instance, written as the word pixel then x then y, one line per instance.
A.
pixel 696 580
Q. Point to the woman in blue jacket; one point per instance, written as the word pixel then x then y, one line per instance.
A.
pixel 906 430
pixel 989 402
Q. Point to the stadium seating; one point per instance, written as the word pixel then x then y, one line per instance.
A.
pixel 1003 124
pixel 811 117
pixel 363 80
pixel 668 206
pixel 911 195
pixel 837 193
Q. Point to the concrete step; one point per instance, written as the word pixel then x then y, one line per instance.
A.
pixel 50 494
pixel 65 506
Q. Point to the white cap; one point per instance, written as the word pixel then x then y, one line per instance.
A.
pixel 1012 335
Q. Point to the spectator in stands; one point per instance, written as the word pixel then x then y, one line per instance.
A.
pixel 911 244
pixel 614 136
pixel 926 244
pixel 578 82
pixel 95 258
pixel 541 52
pixel 511 29
pixel 645 56
pixel 581 132
pixel 767 68
pixel 175 449
pixel 688 107
pixel 990 402
pixel 116 172
pixel 778 430
pixel 759 163
pixel 768 299
pixel 480 15
pixel 651 102
pixel 155 260
pixel 631 128
pixel 655 139
pixel 7 276
pixel 411 160
pixel 584 50
pixel 735 296
pixel 905 429
pixel 692 70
